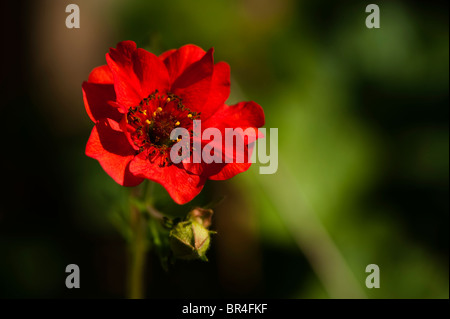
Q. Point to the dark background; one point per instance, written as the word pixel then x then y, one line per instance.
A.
pixel 363 150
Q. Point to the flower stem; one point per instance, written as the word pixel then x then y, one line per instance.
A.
pixel 137 262
pixel 138 251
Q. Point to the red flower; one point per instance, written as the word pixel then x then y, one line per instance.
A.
pixel 138 98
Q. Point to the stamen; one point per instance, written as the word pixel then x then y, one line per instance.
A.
pixel 150 131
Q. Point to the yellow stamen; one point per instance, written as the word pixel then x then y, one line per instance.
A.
pixel 177 123
pixel 159 109
pixel 168 99
pixel 189 115
pixel 145 112
pixel 148 122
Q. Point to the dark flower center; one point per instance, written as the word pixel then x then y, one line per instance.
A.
pixel 151 122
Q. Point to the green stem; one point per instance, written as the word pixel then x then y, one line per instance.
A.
pixel 138 247
pixel 137 261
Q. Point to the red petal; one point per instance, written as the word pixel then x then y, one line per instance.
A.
pixel 96 101
pixel 243 115
pixel 180 185
pixel 223 171
pixel 194 84
pixel 101 74
pixel 126 84
pixel 177 61
pixel 166 54
pixel 151 72
pixel 230 170
pixel 203 169
pixel 136 72
pixel 109 146
pixel 220 90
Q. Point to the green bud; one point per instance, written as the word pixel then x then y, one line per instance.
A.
pixel 190 239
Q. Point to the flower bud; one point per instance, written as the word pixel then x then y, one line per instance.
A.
pixel 190 239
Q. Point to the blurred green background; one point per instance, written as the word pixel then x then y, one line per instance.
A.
pixel 363 150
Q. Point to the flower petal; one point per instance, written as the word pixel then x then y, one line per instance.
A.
pixel 150 71
pixel 220 90
pixel 203 169
pixel 109 146
pixel 96 101
pixel 101 74
pixel 243 115
pixel 247 116
pixel 180 185
pixel 166 54
pixel 221 169
pixel 136 73
pixel 177 61
pixel 227 171
pixel 194 84
pixel 126 83
pixel 230 170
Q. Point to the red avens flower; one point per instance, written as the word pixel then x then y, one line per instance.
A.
pixel 138 98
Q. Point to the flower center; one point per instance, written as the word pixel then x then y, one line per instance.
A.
pixel 151 122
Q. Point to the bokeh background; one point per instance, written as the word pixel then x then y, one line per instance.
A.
pixel 363 150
